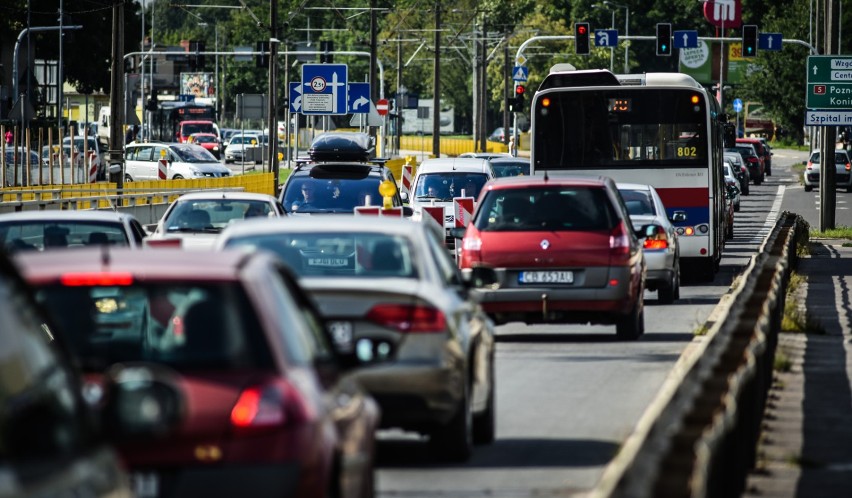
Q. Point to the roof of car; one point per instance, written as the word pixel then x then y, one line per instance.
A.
pixel 633 186
pixel 460 164
pixel 213 194
pixel 540 181
pixel 154 264
pixel 387 225
pixel 92 215
pixel 510 160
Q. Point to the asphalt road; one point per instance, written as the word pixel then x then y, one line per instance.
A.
pixel 568 396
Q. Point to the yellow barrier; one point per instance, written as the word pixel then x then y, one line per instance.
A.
pixel 449 146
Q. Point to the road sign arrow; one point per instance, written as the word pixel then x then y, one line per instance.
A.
pixel 685 39
pixel 297 103
pixel 603 38
pixel 815 69
pixel 359 102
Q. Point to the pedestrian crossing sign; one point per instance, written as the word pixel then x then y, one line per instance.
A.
pixel 519 73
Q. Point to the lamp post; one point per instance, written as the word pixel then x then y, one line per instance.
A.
pixel 612 26
pixel 626 30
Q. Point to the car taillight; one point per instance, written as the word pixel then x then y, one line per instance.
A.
pixel 848 166
pixel 658 241
pixel 810 165
pixel 174 242
pixel 753 160
pixel 619 242
pixel 96 279
pixel 268 405
pixel 408 318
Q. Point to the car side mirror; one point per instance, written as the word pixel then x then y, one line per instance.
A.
pixel 403 196
pixel 457 232
pixel 141 401
pixel 407 211
pixel 678 216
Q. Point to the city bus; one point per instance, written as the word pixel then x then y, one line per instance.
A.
pixel 165 121
pixel 662 129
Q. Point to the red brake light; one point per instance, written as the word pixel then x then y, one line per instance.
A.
pixel 619 242
pixel 408 318
pixel 259 407
pixel 162 242
pixel 96 279
pixel 656 244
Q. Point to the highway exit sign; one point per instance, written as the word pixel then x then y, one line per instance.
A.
pixel 829 82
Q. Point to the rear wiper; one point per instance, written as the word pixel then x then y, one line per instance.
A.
pixel 194 230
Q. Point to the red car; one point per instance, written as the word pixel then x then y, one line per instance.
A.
pixel 207 140
pixel 268 407
pixel 564 250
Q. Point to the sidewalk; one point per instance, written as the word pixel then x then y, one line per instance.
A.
pixel 806 447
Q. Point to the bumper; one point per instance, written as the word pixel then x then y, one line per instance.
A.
pixel 841 179
pixel 270 480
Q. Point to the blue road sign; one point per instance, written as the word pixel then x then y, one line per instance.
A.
pixel 324 89
pixel 606 37
pixel 769 41
pixel 295 96
pixel 738 105
pixel 359 98
pixel 685 39
pixel 520 73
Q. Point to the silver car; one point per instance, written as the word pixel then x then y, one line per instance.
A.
pixel 46 230
pixel 393 280
pixel 662 256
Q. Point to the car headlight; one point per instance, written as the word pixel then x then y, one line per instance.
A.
pixel 195 172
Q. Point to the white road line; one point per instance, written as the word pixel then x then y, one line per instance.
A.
pixel 771 218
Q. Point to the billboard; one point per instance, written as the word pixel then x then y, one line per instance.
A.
pixel 198 84
pixel 702 63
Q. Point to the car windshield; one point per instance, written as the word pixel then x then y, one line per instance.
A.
pixel 445 186
pixel 551 208
pixel 46 234
pixel 205 139
pixel 190 128
pixel 190 154
pixel 185 325
pixel 334 254
pixel 747 151
pixel 839 158
pixel 638 202
pixel 502 169
pixel 212 215
pixel 339 195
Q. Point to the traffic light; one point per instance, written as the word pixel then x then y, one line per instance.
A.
pixel 326 47
pixel 262 59
pixel 664 38
pixel 581 38
pixel 196 60
pixel 517 103
pixel 749 40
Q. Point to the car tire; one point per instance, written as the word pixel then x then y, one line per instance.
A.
pixel 808 188
pixel 454 441
pixel 177 177
pixel 484 424
pixel 737 207
pixel 128 178
pixel 630 327
pixel 671 291
pixel 758 180
pixel 745 188
pixel 849 189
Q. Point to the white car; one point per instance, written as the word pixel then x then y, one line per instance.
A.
pixel 193 221
pixel 438 181
pixel 142 162
pixel 52 229
pixel 732 181
pixel 238 145
pixel 662 255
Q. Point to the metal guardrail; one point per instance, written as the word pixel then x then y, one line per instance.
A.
pixel 698 437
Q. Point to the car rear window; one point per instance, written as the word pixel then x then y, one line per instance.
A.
pixel 187 326
pixel 638 202
pixel 339 194
pixel 331 254
pixel 193 154
pixel 839 158
pixel 41 235
pixel 445 186
pixel 212 215
pixel 551 208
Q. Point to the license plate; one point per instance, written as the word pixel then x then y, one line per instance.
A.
pixel 145 484
pixel 341 333
pixel 546 277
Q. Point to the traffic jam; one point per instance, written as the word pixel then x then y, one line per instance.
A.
pixel 344 329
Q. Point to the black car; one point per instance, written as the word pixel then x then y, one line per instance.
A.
pixel 51 441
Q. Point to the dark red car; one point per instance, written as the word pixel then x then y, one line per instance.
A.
pixel 209 141
pixel 564 250
pixel 269 411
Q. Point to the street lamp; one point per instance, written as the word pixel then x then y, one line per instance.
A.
pixel 612 26
pixel 626 30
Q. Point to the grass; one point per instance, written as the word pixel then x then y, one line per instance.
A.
pixel 701 330
pixel 782 362
pixel 793 318
pixel 841 232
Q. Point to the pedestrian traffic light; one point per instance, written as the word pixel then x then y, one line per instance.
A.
pixel 749 40
pixel 664 38
pixel 262 59
pixel 581 38
pixel 325 56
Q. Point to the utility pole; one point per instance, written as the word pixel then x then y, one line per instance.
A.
pixel 59 76
pixel 374 87
pixel 272 104
pixel 436 98
pixel 116 97
pixel 400 97
pixel 483 86
pixel 507 85
pixel 827 177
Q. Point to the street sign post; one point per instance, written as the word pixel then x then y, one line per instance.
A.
pixel 828 118
pixel 685 39
pixel 382 107
pixel 769 41
pixel 520 73
pixel 324 89
pixel 359 98
pixel 829 82
pixel 295 96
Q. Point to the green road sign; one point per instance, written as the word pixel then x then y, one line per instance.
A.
pixel 829 69
pixel 829 96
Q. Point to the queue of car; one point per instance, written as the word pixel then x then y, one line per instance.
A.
pixel 301 329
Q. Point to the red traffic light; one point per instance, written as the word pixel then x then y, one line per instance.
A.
pixel 520 89
pixel 581 29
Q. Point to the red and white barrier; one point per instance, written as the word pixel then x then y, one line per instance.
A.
pixel 407 170
pixel 395 212
pixel 163 169
pixel 93 167
pixel 463 210
pixel 367 210
pixel 436 212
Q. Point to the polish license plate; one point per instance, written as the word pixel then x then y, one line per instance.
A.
pixel 145 484
pixel 546 277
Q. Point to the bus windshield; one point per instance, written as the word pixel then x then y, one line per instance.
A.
pixel 620 127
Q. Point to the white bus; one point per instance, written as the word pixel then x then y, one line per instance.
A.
pixel 662 129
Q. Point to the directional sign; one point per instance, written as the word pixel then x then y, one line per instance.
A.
pixel 769 41
pixel 606 37
pixel 520 73
pixel 295 96
pixel 738 105
pixel 359 98
pixel 324 89
pixel 685 39
pixel 829 69
pixel 828 118
pixel 829 82
pixel 829 96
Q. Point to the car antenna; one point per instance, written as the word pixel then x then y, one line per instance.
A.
pixel 105 260
pixel 545 175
